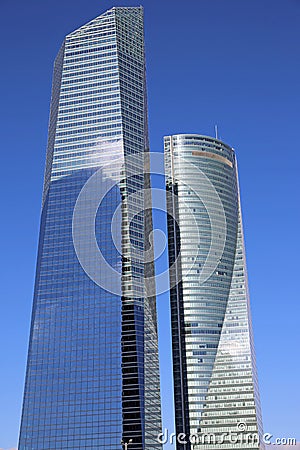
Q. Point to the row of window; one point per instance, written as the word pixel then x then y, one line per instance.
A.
pixel 82 124
pixel 105 58
pixel 94 49
pixel 87 42
pixel 76 91
pixel 90 100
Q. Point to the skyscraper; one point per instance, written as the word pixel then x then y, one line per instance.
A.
pixel 92 376
pixel 215 380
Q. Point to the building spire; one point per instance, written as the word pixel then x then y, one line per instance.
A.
pixel 216 131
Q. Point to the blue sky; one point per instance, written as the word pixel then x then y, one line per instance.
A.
pixel 232 63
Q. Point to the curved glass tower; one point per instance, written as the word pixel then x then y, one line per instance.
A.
pixel 92 376
pixel 215 380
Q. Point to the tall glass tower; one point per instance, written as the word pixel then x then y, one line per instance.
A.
pixel 92 376
pixel 215 380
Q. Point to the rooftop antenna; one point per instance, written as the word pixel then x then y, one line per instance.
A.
pixel 216 131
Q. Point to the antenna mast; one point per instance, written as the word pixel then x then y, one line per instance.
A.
pixel 216 131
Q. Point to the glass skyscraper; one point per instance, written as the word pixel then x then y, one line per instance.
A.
pixel 92 376
pixel 215 380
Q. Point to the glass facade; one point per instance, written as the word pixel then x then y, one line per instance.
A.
pixel 215 380
pixel 92 375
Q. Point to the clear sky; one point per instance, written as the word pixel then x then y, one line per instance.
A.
pixel 228 62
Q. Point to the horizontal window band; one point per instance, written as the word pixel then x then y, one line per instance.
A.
pixel 213 156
